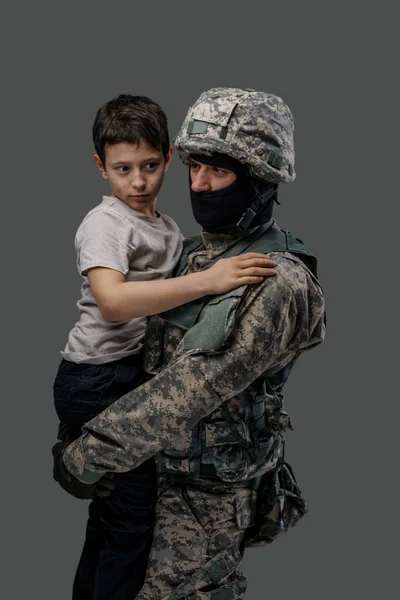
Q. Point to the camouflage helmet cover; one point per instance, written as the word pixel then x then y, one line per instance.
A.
pixel 254 127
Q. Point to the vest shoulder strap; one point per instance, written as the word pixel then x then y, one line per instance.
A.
pixel 267 238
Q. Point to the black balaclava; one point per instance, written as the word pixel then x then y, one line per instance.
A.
pixel 221 211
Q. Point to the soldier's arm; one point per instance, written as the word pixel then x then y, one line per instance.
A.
pixel 152 417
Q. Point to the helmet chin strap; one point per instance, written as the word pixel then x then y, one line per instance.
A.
pixel 261 209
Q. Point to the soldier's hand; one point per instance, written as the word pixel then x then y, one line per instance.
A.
pixel 72 485
pixel 229 273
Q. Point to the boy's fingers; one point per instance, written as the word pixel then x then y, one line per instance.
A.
pixel 258 272
pixel 248 280
pixel 259 262
pixel 253 255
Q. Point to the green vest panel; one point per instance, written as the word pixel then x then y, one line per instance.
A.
pixel 205 319
pixel 217 447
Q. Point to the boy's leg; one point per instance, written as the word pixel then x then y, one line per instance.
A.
pixel 118 538
pixel 198 538
pixel 127 519
pixel 119 530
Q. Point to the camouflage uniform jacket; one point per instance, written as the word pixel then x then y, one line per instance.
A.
pixel 268 326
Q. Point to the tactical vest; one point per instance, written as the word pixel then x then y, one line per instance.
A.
pixel 222 447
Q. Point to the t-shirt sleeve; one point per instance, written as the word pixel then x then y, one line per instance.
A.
pixel 104 239
pixel 173 224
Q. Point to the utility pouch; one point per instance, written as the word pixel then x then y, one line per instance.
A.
pixel 280 506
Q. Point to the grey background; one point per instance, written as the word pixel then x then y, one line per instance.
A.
pixel 334 68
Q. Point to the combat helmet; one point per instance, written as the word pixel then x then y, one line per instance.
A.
pixel 254 127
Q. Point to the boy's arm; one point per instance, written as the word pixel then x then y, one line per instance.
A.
pixel 106 246
pixel 119 299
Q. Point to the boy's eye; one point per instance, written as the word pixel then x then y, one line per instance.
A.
pixel 123 169
pixel 151 166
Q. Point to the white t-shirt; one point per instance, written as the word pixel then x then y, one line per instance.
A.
pixel 142 248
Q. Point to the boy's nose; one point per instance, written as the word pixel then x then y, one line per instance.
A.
pixel 138 181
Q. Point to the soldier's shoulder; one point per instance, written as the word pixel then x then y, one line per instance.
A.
pixel 291 265
pixel 292 274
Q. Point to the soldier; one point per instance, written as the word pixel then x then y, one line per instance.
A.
pixel 213 412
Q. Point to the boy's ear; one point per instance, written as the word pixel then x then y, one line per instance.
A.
pixel 100 166
pixel 168 158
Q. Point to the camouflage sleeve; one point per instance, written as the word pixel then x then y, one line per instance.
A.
pixel 152 417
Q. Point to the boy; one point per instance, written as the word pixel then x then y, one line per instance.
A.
pixel 126 250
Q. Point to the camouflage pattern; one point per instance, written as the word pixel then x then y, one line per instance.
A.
pixel 197 539
pixel 200 530
pixel 251 126
pixel 279 506
pixel 273 322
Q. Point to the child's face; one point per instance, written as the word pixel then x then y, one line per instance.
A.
pixel 135 173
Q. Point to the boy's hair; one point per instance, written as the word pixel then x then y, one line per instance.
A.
pixel 130 119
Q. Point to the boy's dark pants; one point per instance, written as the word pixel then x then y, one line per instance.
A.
pixel 120 527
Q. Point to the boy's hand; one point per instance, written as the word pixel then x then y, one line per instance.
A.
pixel 229 273
pixel 72 485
